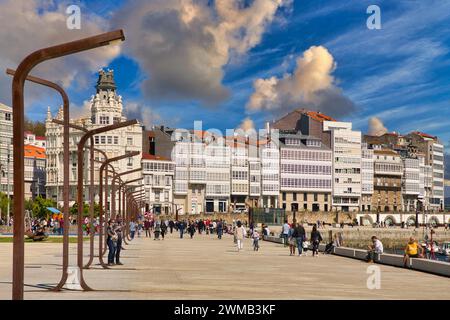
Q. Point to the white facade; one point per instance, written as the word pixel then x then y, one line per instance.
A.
pixel 6 149
pixel 366 177
pixel 346 146
pixel 437 152
pixel 158 181
pixel 105 109
pixel 410 183
pixel 306 168
pixel 270 174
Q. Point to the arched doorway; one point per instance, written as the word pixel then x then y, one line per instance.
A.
pixel 433 221
pixel 389 221
pixel 366 220
pixel 411 221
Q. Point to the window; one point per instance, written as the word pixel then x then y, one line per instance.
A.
pixel 103 139
pixel 284 196
pixel 116 140
pixel 294 196
pixel 116 120
pixel 130 162
pixel 96 139
pixel 305 197
pixel 104 120
pixel 129 141
pixel 109 140
pixel 315 196
pixel 8 116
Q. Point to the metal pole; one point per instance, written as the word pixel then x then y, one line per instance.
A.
pixel 102 167
pixel 66 162
pixel 25 66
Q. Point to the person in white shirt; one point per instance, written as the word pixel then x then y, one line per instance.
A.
pixel 239 233
pixel 376 247
pixel 285 232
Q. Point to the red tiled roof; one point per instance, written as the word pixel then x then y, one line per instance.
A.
pixel 425 135
pixel 147 156
pixel 34 152
pixel 316 115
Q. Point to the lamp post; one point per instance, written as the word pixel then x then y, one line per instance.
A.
pixel 113 189
pixel 124 203
pixel 66 162
pixel 102 167
pixel 91 188
pixel 80 168
pixel 18 82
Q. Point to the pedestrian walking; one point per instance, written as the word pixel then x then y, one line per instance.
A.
pixel 291 241
pixel 255 236
pixel 118 230
pixel 157 231
pixel 163 230
pixel 147 228
pixel 181 226
pixel 316 237
pixel 285 232
pixel 219 228
pixel 240 233
pixel 132 229
pixel 300 235
pixel 171 226
pixel 111 240
pixel 191 229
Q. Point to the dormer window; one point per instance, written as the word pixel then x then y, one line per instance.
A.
pixel 313 143
pixel 104 120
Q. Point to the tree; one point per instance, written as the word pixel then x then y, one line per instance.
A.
pixel 37 127
pixel 39 207
pixel 3 204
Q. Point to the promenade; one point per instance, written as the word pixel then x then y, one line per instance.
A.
pixel 208 268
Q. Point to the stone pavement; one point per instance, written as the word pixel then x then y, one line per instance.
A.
pixel 208 268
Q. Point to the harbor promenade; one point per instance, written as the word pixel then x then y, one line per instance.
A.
pixel 208 268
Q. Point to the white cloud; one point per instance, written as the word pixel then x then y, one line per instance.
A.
pixel 183 45
pixel 376 127
pixel 28 25
pixel 311 85
pixel 142 113
pixel 247 124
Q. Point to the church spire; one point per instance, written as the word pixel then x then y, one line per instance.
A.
pixel 106 81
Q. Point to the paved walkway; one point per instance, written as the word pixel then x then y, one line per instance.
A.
pixel 208 268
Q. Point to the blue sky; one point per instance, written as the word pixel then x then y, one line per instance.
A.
pixel 399 73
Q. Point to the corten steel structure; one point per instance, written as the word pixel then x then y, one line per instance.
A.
pixel 91 181
pixel 101 227
pixel 124 212
pixel 114 190
pixel 66 161
pixel 80 169
pixel 18 82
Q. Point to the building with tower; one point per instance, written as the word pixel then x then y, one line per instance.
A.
pixel 105 108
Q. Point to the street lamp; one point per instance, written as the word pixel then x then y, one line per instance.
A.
pixel 66 162
pixel 18 82
pixel 102 167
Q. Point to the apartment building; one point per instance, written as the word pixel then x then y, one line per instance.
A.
pixel 367 170
pixel 305 173
pixel 34 171
pixel 346 147
pixel 158 175
pixel 6 150
pixel 388 170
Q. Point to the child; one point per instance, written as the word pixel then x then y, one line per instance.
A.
pixel 255 237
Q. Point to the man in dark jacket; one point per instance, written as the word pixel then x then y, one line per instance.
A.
pixel 300 235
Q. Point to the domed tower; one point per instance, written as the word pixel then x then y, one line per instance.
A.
pixel 106 105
